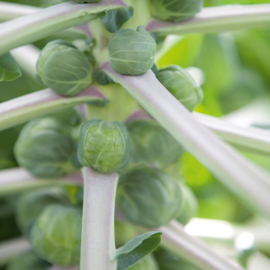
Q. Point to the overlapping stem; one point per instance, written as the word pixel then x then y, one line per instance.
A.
pixel 217 19
pixel 249 182
pixel 98 242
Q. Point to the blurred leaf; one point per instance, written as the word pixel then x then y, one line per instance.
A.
pixel 136 249
pixel 9 69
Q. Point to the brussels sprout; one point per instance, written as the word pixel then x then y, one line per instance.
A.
pixel 147 263
pixel 149 197
pixel 31 204
pixel 190 206
pixel 103 145
pixel 181 85
pixel 132 52
pixel 45 148
pixel 64 68
pixel 56 235
pixel 27 261
pixel 175 10
pixel 152 143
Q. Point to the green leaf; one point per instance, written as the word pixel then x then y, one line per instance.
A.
pixel 136 249
pixel 9 69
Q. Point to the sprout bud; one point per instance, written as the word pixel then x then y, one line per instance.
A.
pixel 152 143
pixel 181 85
pixel 103 145
pixel 175 10
pixel 56 235
pixel 45 148
pixel 132 52
pixel 64 68
pixel 149 197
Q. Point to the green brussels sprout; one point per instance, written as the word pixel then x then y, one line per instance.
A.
pixel 27 261
pixel 149 197
pixel 190 207
pixel 175 10
pixel 56 235
pixel 104 145
pixel 45 148
pixel 147 263
pixel 152 143
pixel 32 203
pixel 181 85
pixel 64 68
pixel 132 52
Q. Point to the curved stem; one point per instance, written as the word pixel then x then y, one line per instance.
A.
pixel 217 19
pixel 22 109
pixel 242 177
pixel 98 243
pixel 43 23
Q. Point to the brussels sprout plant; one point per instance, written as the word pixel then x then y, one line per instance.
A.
pixel 107 149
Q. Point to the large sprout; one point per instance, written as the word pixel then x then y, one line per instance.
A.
pixel 175 10
pixel 152 143
pixel 181 85
pixel 149 197
pixel 45 148
pixel 104 146
pixel 56 235
pixel 64 68
pixel 132 52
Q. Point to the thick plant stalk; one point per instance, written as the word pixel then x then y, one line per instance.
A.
pixel 217 19
pixel 10 11
pixel 98 242
pixel 242 177
pixel 27 29
pixel 192 249
pixel 11 248
pixel 22 109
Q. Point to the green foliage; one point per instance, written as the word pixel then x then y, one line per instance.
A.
pixel 115 18
pixel 87 1
pixel 190 206
pixel 181 85
pixel 175 10
pixel 104 145
pixel 27 261
pixel 56 235
pixel 9 69
pixel 152 143
pixel 147 263
pixel 37 200
pixel 149 197
pixel 64 68
pixel 45 148
pixel 101 77
pixel 132 52
pixel 136 249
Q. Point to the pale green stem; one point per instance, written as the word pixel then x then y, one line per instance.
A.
pixel 12 248
pixel 242 177
pixel 10 11
pixel 217 19
pixel 43 23
pixel 98 242
pixel 25 108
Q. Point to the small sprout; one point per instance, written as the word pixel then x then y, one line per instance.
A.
pixel 176 10
pixel 132 52
pixel 147 263
pixel 45 148
pixel 149 197
pixel 181 85
pixel 27 261
pixel 56 235
pixel 152 143
pixel 104 146
pixel 190 206
pixel 37 200
pixel 64 68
